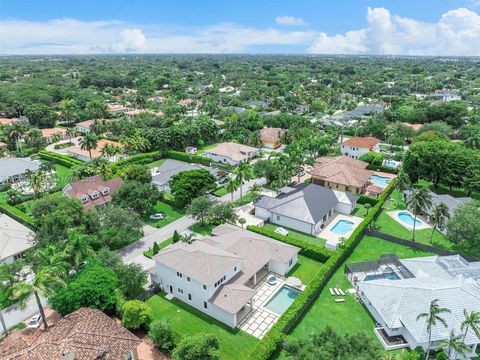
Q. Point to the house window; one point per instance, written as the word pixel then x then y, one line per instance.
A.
pixel 106 191
pixel 290 262
pixel 179 274
pixel 129 356
pixel 278 217
pixel 235 268
pixel 204 287
pixel 95 195
pixel 180 291
pixel 205 305
pixel 189 296
pixel 84 199
pixel 188 279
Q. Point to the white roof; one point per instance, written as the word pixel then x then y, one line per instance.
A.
pixel 15 238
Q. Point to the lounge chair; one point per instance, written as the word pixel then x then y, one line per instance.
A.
pixel 341 292
pixel 340 300
pixel 337 292
pixel 332 292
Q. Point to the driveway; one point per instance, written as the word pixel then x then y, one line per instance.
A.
pixel 51 147
pixel 14 315
pixel 133 253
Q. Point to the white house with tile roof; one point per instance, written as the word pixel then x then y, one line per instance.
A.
pixel 217 274
pixel 396 301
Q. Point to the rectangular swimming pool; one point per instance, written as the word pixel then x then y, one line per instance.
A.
pixel 388 276
pixel 282 299
pixel 342 227
pixel 381 181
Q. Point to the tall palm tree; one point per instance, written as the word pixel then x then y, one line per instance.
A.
pixel 255 192
pixel 432 317
pixel 471 322
pixel 15 132
pixel 70 133
pixel 51 256
pixel 439 217
pixel 231 186
pixel 78 249
pixel 402 184
pixel 89 142
pixel 37 181
pixel 244 173
pixel 46 279
pixel 418 200
pixel 455 345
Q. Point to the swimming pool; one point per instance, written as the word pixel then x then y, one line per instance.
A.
pixel 408 219
pixel 391 163
pixel 342 227
pixel 282 299
pixel 388 276
pixel 381 181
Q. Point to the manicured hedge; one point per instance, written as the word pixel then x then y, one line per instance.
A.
pixel 142 159
pixel 364 199
pixel 270 344
pixel 64 160
pixel 309 250
pixel 18 215
pixel 181 156
pixel 382 168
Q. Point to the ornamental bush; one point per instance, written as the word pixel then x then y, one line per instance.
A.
pixel 162 334
pixel 135 314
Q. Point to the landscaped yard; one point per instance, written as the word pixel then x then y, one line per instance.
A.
pixel 62 175
pixel 156 163
pixel 220 192
pixel 164 208
pixel 186 320
pixel 350 316
pixel 204 148
pixel 389 226
pixel 202 230
pixel 299 235
pixel 305 269
pixel 163 244
pixel 360 211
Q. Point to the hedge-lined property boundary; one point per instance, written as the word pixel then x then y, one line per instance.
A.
pixel 382 168
pixel 309 250
pixel 141 159
pixel 364 199
pixel 18 215
pixel 270 344
pixel 64 160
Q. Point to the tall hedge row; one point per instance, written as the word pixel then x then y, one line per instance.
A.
pixel 64 160
pixel 182 156
pixel 18 215
pixel 270 344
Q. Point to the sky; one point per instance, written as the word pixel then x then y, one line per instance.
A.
pixel 396 27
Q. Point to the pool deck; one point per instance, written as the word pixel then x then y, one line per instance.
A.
pixel 422 226
pixel 331 237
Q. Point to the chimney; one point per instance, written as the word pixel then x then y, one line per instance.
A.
pixel 67 355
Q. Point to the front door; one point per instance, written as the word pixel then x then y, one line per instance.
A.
pixel 171 289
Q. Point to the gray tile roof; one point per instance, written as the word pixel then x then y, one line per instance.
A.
pixel 451 202
pixel 305 202
pixel 15 238
pixel 171 167
pixel 16 166
pixel 399 302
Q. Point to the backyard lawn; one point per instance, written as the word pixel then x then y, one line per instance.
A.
pixel 204 148
pixel 63 176
pixel 186 320
pixel 360 211
pixel 163 244
pixel 299 235
pixel 305 269
pixel 204 230
pixel 172 215
pixel 350 316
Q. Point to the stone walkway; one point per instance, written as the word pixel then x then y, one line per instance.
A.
pixel 260 320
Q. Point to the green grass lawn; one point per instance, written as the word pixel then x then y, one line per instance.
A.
pixel 299 235
pixel 389 226
pixel 26 206
pixel 63 176
pixel 220 192
pixel 163 244
pixel 161 207
pixel 202 230
pixel 186 320
pixel 360 211
pixel 204 148
pixel 305 269
pixel 156 163
pixel 350 316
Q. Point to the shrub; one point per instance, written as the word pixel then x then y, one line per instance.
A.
pixel 201 346
pixel 64 160
pixel 382 168
pixel 364 199
pixel 135 314
pixel 162 334
pixel 155 248
pixel 372 157
pixel 18 215
pixel 181 156
pixel 309 250
pixel 442 356
pixel 141 159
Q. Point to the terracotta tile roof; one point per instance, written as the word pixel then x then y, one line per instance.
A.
pixel 87 333
pixel 53 131
pixel 86 123
pixel 271 134
pixel 95 152
pixel 6 121
pixel 342 170
pixel 363 142
pixel 2 144
pixel 90 185
pixel 186 102
pixel 415 127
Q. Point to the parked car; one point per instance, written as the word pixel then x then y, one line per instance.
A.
pixel 35 321
pixel 281 231
pixel 158 216
pixel 223 180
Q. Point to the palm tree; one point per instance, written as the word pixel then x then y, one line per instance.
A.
pixel 188 238
pixel 46 279
pixel 439 217
pixel 433 316
pixel 417 200
pixel 37 181
pixel 402 184
pixel 471 322
pixel 105 152
pixel 78 249
pixel 51 256
pixel 15 132
pixel 255 192
pixel 89 142
pixel 70 133
pixel 231 186
pixel 244 173
pixel 455 345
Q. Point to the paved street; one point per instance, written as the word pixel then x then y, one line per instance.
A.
pixel 13 314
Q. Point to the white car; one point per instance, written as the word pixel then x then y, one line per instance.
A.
pixel 35 321
pixel 281 231
pixel 157 216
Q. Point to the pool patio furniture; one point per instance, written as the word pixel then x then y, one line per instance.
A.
pixel 332 292
pixel 337 292
pixel 340 300
pixel 341 292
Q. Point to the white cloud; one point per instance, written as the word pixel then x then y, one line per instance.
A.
pixel 290 20
pixel 69 36
pixel 456 33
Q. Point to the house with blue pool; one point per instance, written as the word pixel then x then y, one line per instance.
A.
pixel 395 291
pixel 307 208
pixel 234 276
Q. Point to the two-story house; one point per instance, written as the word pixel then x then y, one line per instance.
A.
pixel 93 191
pixel 217 274
pixel 358 146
